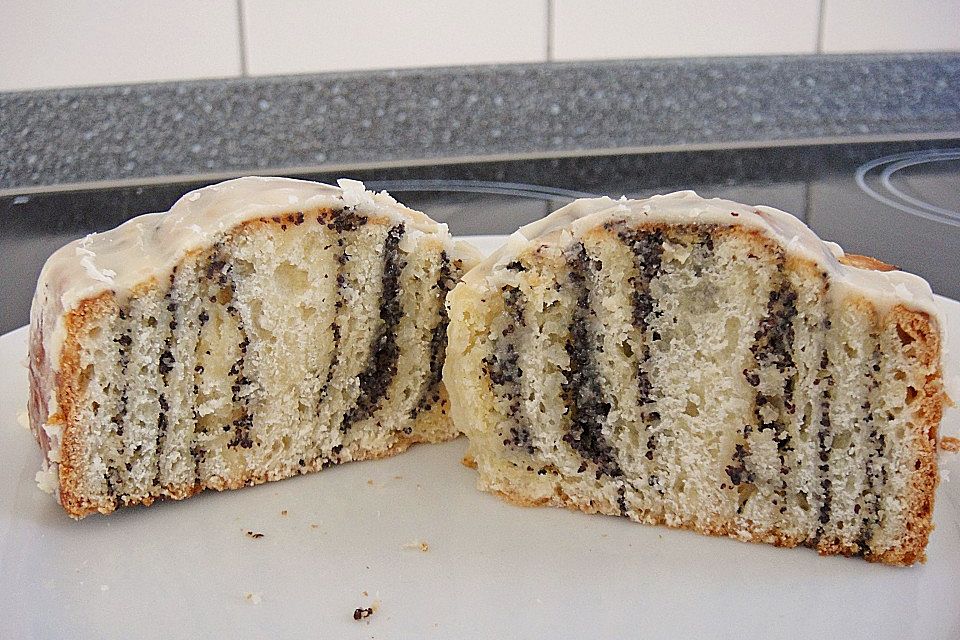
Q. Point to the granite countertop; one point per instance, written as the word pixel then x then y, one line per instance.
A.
pixel 332 121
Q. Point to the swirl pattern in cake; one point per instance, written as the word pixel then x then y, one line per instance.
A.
pixel 705 365
pixel 260 329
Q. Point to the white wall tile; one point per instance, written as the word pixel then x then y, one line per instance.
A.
pixel 53 43
pixel 590 30
pixel 891 25
pixel 302 36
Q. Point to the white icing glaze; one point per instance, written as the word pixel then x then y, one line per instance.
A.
pixel 149 246
pixel 885 289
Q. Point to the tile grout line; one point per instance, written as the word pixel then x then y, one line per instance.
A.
pixel 549 30
pixel 821 23
pixel 244 71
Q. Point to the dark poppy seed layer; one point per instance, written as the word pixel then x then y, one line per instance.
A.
pixel 772 348
pixel 241 425
pixel 164 367
pixel 343 222
pixel 824 444
pixel 503 368
pixel 875 467
pixel 587 404
pixel 647 249
pixel 335 331
pixel 438 341
pixel 382 364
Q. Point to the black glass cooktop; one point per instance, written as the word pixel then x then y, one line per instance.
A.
pixel 899 202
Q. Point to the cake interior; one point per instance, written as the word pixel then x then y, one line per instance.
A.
pixel 294 343
pixel 699 376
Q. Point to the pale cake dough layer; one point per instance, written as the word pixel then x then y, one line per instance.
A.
pixel 261 328
pixel 705 365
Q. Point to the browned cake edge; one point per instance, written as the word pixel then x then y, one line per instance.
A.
pixel 65 386
pixel 922 340
pixel 924 348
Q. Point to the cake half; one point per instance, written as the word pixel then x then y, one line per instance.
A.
pixel 260 329
pixel 705 365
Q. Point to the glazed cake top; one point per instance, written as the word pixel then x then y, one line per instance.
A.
pixel 150 245
pixel 885 288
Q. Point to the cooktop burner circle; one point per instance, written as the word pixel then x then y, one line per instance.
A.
pixel 522 190
pixel 875 178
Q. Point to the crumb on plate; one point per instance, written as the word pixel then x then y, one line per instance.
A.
pixel 362 612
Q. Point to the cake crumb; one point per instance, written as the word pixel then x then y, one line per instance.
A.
pixel 370 482
pixel 365 594
pixel 419 544
pixel 256 535
pixel 362 612
pixel 398 477
pixel 314 526
pixel 949 443
pixel 253 598
pixel 284 512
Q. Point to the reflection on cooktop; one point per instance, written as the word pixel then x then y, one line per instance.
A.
pixel 911 183
pixel 817 183
pixel 478 186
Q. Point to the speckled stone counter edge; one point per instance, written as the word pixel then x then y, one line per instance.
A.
pixel 251 124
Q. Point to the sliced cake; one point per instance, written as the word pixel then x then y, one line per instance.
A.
pixel 262 328
pixel 705 365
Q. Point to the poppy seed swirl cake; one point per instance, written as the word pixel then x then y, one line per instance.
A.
pixel 260 329
pixel 705 365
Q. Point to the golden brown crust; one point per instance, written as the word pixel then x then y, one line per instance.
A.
pixel 922 348
pixel 77 501
pixel 902 556
pixel 715 529
pixel 80 507
pixel 73 497
pixel 921 342
pixel 865 262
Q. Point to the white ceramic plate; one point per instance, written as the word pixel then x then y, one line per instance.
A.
pixel 349 537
